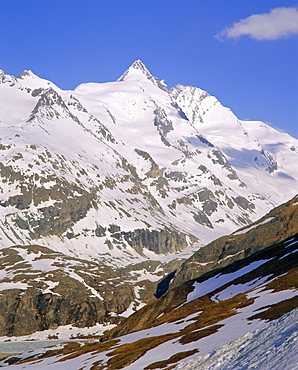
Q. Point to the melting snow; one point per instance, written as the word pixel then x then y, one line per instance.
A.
pixel 253 226
pixel 12 285
pixel 217 281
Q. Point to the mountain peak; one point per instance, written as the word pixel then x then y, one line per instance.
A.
pixel 138 64
pixel 138 70
pixel 26 73
pixel 6 78
pixel 30 80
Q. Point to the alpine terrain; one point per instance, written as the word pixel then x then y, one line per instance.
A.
pixel 239 315
pixel 115 191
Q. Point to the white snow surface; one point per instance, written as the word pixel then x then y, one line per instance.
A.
pixel 273 347
pixel 245 230
pixel 217 281
pixel 62 333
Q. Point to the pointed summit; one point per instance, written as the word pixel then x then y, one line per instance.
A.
pixel 137 71
pixel 138 64
pixel 137 68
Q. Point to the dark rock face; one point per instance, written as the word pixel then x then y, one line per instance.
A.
pixel 155 171
pixel 272 165
pixel 202 219
pixel 163 286
pixel 163 241
pixel 208 199
pixel 30 311
pixel 244 203
pixel 164 125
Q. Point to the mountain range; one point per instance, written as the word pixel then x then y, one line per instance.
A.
pixel 114 191
pixel 98 170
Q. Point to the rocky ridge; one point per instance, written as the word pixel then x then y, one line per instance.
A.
pixel 277 225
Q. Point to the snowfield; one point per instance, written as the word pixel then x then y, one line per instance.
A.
pixel 273 347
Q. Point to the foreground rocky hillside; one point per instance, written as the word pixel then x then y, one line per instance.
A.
pixel 261 242
pixel 253 294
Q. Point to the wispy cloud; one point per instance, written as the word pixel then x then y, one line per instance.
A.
pixel 278 23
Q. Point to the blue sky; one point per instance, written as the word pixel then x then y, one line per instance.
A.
pixel 193 42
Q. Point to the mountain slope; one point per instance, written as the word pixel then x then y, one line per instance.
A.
pixel 277 255
pixel 197 317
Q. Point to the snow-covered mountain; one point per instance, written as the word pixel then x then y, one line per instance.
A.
pixel 95 171
pixel 129 177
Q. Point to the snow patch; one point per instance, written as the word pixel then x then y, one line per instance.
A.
pixel 253 226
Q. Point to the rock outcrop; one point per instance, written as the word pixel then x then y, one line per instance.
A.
pixel 42 289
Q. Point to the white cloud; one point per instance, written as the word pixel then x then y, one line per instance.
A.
pixel 279 22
